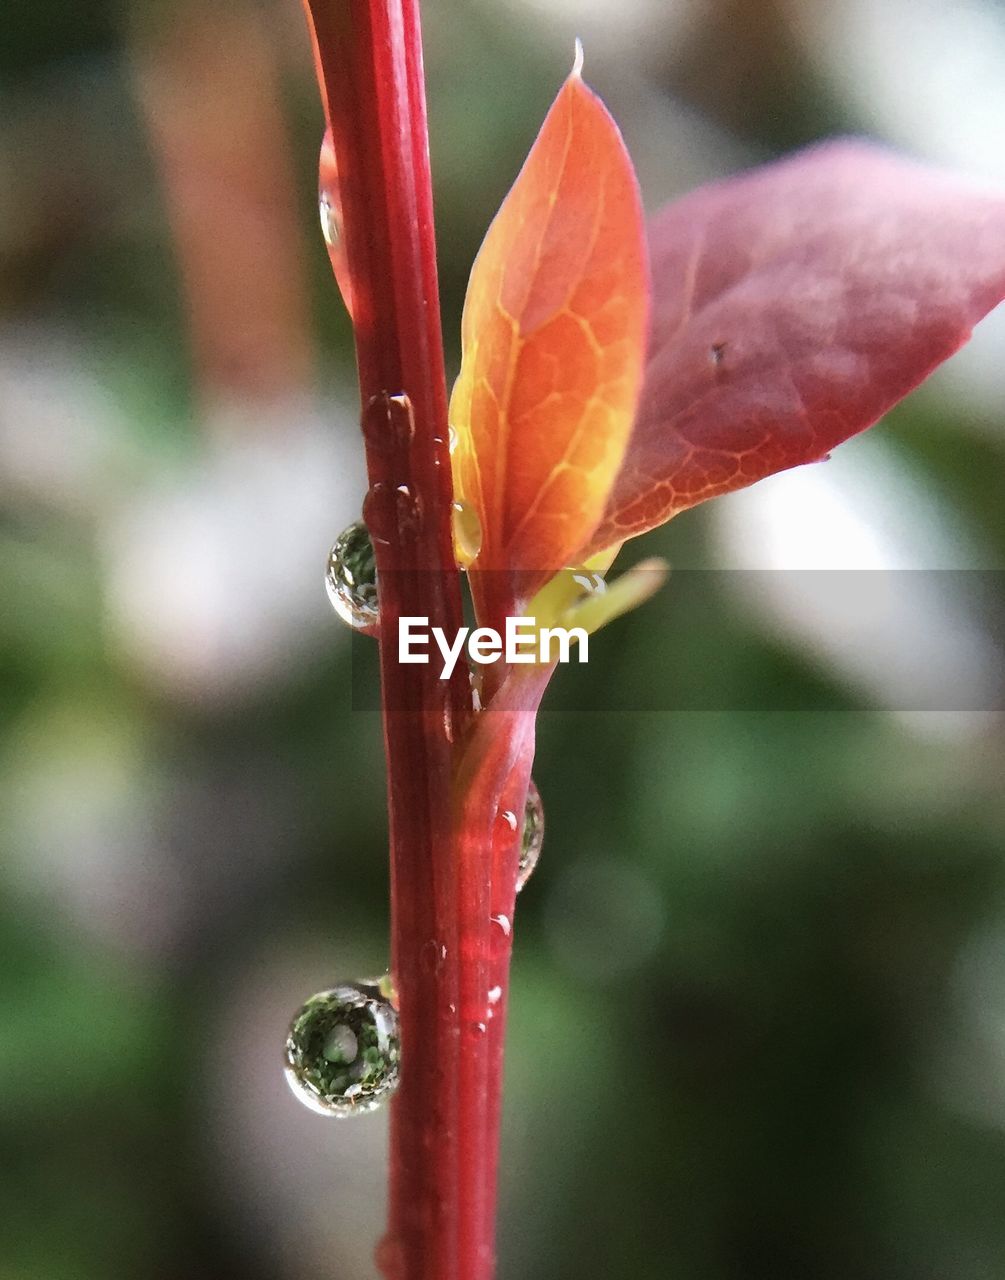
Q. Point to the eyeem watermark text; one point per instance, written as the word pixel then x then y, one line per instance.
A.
pixel 523 642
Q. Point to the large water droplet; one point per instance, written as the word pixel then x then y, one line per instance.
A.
pixel 467 529
pixel 532 838
pixel 351 579
pixel 342 1051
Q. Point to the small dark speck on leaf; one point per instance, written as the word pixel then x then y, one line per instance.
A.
pixel 716 352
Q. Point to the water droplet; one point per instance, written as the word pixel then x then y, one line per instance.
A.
pixel 467 530
pixel 495 995
pixel 451 439
pixel 433 955
pixel 502 923
pixel 508 819
pixel 351 579
pixel 390 1257
pixel 476 679
pixel 342 1051
pixel 379 513
pixel 330 211
pixel 331 223
pixel 389 421
pixel 532 838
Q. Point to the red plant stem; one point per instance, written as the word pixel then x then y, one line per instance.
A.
pixel 505 758
pixel 443 1160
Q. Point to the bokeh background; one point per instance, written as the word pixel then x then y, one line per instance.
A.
pixel 758 1024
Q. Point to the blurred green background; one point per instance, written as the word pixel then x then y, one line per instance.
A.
pixel 758 1015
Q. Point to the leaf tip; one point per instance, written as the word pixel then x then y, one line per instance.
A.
pixel 626 593
pixel 577 62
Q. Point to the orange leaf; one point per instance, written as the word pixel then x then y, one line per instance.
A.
pixel 554 337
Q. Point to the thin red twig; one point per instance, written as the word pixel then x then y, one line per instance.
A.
pixel 444 1145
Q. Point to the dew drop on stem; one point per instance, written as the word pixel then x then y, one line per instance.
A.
pixel 502 925
pixel 342 1050
pixel 331 223
pixel 390 1258
pixel 467 531
pixel 330 212
pixel 388 421
pixel 532 837
pixel 351 577
pixel 379 513
pixel 433 955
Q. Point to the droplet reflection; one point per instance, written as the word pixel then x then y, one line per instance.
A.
pixel 342 1051
pixel 351 578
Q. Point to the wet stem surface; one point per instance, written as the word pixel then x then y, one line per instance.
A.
pixel 454 858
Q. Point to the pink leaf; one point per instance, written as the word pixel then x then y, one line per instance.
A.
pixel 793 306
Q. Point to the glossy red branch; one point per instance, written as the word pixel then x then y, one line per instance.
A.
pixel 370 69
